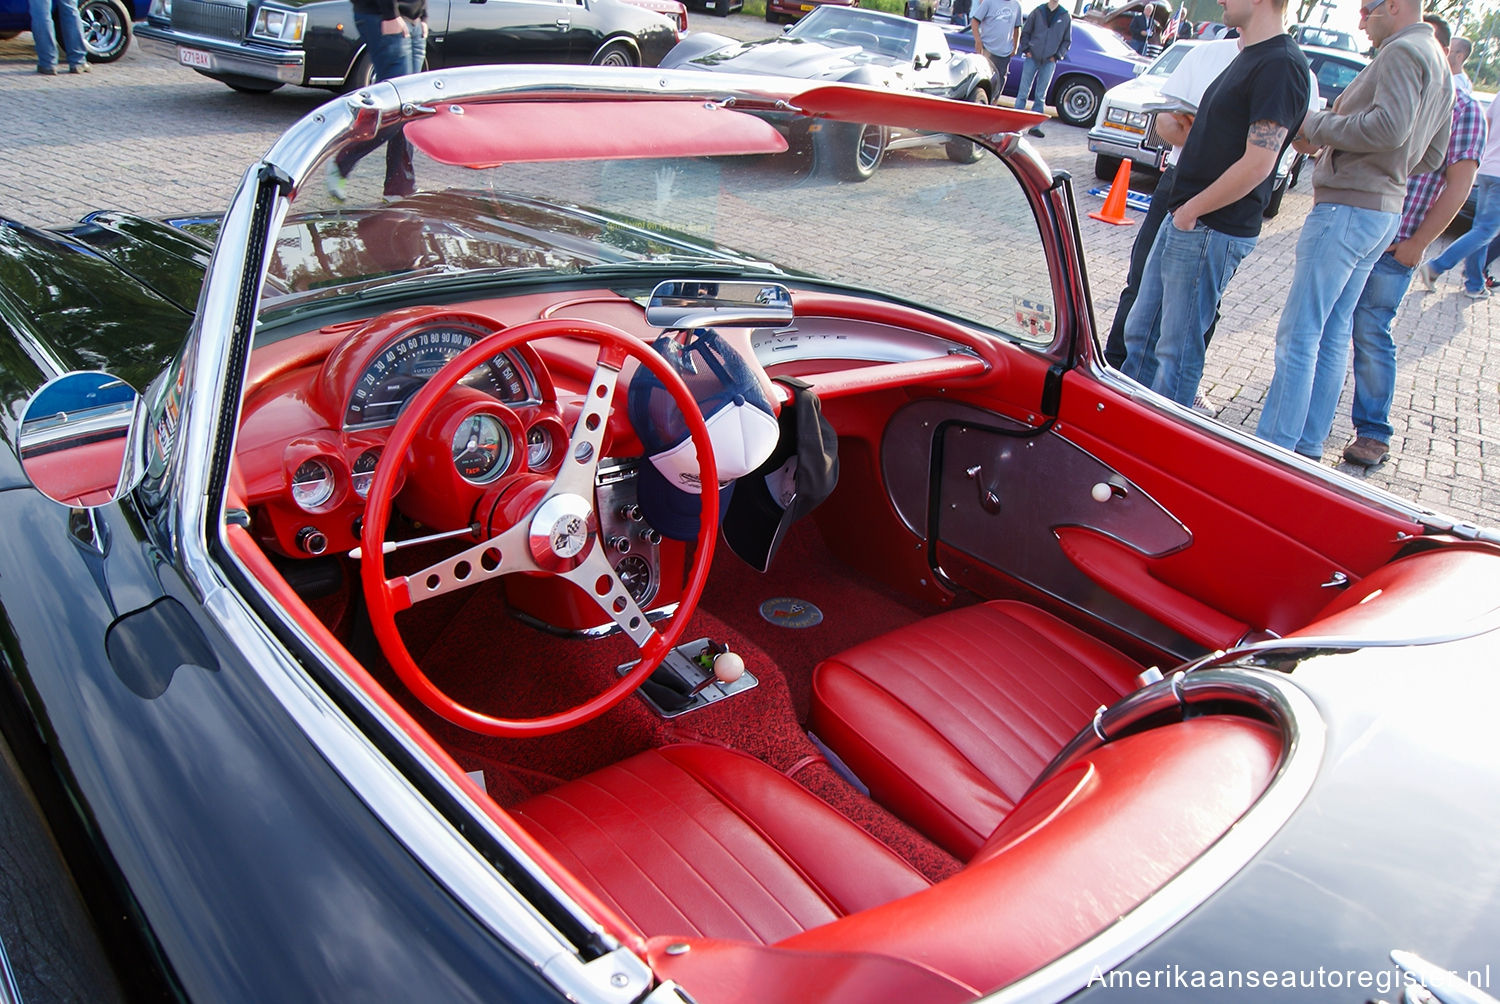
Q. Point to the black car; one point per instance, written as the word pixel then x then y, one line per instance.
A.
pixel 631 569
pixel 259 45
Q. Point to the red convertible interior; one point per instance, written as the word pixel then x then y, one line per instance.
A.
pixel 884 812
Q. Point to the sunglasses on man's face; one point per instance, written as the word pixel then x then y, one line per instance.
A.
pixel 1366 9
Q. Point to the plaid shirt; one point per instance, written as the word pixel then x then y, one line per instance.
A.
pixel 1466 143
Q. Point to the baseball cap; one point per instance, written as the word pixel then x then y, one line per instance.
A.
pixel 800 473
pixel 741 426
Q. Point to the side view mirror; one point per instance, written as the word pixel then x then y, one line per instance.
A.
pixel 79 437
pixel 927 59
pixel 679 304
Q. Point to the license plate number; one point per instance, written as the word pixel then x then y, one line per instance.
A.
pixel 808 6
pixel 195 57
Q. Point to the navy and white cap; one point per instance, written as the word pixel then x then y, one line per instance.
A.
pixel 741 424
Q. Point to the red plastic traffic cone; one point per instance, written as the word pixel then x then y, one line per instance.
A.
pixel 1114 203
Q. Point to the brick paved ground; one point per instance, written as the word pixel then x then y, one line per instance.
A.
pixel 149 137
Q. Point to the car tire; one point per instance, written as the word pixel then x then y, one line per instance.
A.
pixel 361 75
pixel 1105 166
pixel 771 16
pixel 617 54
pixel 966 151
pixel 849 151
pixel 1274 205
pixel 245 85
pixel 1078 100
pixel 106 30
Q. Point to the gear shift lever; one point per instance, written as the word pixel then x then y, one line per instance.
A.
pixel 728 667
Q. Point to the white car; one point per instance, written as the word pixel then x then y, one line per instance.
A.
pixel 1125 130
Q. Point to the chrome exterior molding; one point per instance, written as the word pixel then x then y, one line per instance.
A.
pixel 1304 740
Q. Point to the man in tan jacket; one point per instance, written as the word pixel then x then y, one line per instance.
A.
pixel 1391 122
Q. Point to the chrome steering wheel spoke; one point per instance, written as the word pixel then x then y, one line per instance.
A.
pixel 502 554
pixel 596 577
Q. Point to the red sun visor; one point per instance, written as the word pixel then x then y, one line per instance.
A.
pixel 487 135
pixel 912 111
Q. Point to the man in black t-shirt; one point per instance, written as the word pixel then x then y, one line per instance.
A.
pixel 1223 183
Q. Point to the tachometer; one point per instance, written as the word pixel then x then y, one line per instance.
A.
pixel 363 472
pixel 481 448
pixel 402 367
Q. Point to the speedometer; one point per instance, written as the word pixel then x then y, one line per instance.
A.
pixel 395 375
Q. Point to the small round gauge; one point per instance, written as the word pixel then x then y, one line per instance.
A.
pixel 363 472
pixel 481 448
pixel 635 575
pixel 312 484
pixel 538 447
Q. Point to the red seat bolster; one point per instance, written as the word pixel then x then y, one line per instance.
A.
pixel 1080 851
pixel 733 971
pixel 949 720
pixel 704 841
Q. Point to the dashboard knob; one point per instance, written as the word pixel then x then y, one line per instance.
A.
pixel 312 540
pixel 631 512
pixel 650 535
pixel 621 544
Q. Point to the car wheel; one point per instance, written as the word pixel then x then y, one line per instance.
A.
pixel 106 30
pixel 361 75
pixel 1274 205
pixel 616 54
pixel 966 151
pixel 1105 166
pixel 849 151
pixel 1077 100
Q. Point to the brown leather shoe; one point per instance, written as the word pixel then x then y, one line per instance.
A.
pixel 1367 452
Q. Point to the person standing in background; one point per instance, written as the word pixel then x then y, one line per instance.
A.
pixel 394 32
pixel 1044 41
pixel 45 39
pixel 1432 200
pixel 1472 247
pixel 997 28
pixel 1391 122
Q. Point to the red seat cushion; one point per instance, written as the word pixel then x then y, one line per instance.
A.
pixel 950 720
pixel 704 841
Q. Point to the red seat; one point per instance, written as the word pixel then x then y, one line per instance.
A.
pixel 749 887
pixel 948 721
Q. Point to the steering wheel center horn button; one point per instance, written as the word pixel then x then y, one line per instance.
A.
pixel 561 532
pixel 694 675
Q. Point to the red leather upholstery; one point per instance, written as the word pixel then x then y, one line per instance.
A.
pixel 950 720
pixel 705 846
pixel 699 840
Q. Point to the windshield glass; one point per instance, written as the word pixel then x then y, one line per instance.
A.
pixel 622 195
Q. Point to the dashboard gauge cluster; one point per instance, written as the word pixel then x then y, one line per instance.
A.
pixel 317 425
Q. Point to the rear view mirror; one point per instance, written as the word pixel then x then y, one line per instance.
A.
pixel 78 437
pixel 695 303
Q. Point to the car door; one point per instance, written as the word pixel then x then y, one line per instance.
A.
pixel 505 31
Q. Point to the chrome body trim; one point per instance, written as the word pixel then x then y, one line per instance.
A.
pixel 9 992
pixel 1304 741
pixel 284 66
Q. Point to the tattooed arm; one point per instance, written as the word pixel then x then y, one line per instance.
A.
pixel 1262 147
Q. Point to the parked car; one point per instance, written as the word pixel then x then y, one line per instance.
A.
pixel 1097 60
pixel 675 11
pixel 791 10
pixel 313 43
pixel 1117 19
pixel 1126 128
pixel 106 24
pixel 720 8
pixel 337 697
pixel 1327 38
pixel 852 46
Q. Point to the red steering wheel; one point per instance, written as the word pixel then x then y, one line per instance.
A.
pixel 558 536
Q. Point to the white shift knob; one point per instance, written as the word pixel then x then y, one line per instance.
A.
pixel 728 667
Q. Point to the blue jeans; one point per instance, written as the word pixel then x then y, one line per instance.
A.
pixel 45 39
pixel 390 56
pixel 1039 73
pixel 1471 247
pixel 1185 277
pixel 1375 349
pixel 1337 250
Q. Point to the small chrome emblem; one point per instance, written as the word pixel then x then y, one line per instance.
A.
pixel 569 534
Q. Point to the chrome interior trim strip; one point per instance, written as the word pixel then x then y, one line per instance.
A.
pixel 1305 737
pixel 9 992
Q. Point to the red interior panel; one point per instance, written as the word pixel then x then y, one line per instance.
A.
pixel 1434 593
